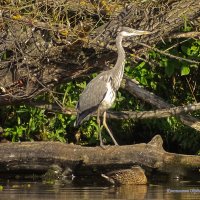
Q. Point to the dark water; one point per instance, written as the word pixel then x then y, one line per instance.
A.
pixel 43 191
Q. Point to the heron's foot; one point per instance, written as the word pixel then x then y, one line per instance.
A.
pixel 101 139
pixel 114 141
pixel 102 146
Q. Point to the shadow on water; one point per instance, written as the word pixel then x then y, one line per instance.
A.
pixel 41 191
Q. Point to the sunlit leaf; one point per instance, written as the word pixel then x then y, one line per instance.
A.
pixel 185 70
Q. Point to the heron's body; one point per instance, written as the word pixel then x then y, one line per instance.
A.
pixel 104 87
pixel 100 93
pixel 102 100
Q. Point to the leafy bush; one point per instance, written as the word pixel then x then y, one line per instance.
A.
pixel 176 81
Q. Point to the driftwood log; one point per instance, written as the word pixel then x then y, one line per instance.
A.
pixel 38 157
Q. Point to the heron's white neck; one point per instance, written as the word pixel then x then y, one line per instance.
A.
pixel 118 69
pixel 120 51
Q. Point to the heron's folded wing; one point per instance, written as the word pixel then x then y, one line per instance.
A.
pixel 94 93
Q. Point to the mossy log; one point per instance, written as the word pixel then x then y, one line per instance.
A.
pixel 37 157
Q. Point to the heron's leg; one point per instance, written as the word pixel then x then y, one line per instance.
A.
pixel 106 126
pixel 100 128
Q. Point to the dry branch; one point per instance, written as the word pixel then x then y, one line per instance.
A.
pixel 192 34
pixel 164 18
pixel 159 113
pixel 154 100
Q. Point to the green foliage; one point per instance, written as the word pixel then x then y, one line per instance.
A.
pixel 90 131
pixel 142 74
pixel 57 128
pixel 25 123
pixel 22 122
pixel 176 81
pixel 71 92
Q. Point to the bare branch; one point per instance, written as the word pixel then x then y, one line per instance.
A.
pixel 192 34
pixel 168 54
pixel 161 113
pixel 151 98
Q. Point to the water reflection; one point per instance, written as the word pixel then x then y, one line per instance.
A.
pixel 138 192
pixel 58 191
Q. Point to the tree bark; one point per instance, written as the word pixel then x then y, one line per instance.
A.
pixel 39 156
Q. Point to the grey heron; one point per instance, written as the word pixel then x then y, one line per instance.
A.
pixel 100 93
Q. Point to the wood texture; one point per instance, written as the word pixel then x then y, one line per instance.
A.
pixel 39 156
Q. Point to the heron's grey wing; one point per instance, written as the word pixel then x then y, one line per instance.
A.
pixel 92 96
pixel 94 93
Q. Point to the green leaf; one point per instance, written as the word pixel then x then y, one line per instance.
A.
pixel 169 70
pixel 185 70
pixel 141 65
pixel 143 81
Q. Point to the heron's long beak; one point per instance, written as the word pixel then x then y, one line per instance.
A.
pixel 138 32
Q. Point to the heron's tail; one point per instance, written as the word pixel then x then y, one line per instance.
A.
pixel 84 116
pixel 81 117
pixel 78 120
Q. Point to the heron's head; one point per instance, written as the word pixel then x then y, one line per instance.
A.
pixel 128 32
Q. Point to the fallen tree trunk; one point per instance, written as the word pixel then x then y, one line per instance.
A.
pixel 39 156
